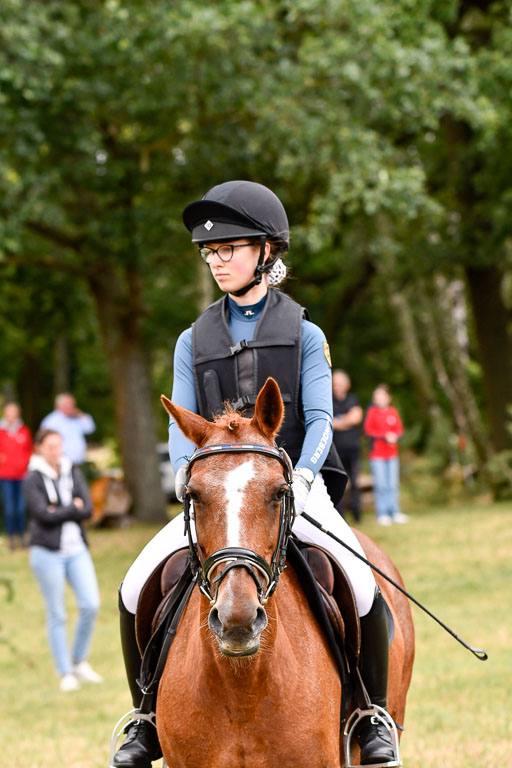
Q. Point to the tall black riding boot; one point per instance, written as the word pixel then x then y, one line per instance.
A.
pixel 374 738
pixel 141 745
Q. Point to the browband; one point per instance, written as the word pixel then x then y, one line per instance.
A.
pixel 264 450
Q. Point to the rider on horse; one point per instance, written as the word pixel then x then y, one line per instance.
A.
pixel 255 331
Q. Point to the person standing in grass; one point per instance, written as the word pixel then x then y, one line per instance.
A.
pixel 347 418
pixel 15 451
pixel 58 501
pixel 384 427
pixel 72 424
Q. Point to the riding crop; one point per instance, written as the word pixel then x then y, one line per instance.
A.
pixel 478 652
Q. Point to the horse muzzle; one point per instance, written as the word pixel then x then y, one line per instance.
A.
pixel 237 628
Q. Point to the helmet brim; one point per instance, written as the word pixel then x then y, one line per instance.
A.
pixel 210 221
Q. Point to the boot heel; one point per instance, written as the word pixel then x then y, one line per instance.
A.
pixel 120 727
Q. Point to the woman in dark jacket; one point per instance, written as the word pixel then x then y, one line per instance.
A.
pixel 58 501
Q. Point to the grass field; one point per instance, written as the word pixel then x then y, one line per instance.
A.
pixel 457 561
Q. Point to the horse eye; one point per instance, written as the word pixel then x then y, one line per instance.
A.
pixel 193 495
pixel 279 495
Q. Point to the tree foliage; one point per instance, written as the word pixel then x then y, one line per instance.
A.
pixel 383 126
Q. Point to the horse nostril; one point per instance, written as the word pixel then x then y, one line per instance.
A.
pixel 260 622
pixel 220 626
pixel 214 622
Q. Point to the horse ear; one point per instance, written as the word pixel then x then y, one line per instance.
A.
pixel 191 424
pixel 269 409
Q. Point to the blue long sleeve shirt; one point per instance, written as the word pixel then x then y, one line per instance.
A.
pixel 72 430
pixel 316 387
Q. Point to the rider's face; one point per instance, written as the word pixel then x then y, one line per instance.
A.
pixel 239 270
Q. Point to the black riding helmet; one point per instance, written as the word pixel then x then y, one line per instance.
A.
pixel 238 209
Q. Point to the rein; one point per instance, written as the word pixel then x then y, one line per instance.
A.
pixel 240 557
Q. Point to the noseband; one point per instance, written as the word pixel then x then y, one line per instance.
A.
pixel 240 557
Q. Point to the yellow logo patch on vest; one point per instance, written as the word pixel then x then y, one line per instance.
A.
pixel 327 353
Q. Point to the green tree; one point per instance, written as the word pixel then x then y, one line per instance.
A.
pixel 376 123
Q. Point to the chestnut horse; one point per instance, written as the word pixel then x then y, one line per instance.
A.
pixel 250 683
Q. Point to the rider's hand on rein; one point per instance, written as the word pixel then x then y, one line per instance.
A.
pixel 180 482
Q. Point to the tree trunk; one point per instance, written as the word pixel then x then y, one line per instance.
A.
pixel 414 360
pixel 428 311
pixel 413 357
pixel 459 381
pixel 31 389
pixel 119 315
pixel 484 281
pixel 137 429
pixel 495 347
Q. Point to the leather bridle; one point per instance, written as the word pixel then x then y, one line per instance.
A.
pixel 240 557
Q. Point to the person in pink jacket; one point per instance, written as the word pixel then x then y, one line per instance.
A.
pixel 15 452
pixel 384 427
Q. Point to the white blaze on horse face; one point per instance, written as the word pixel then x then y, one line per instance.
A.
pixel 234 486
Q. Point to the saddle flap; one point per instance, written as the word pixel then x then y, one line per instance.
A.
pixel 333 613
pixel 334 580
pixel 160 582
pixel 321 567
pixel 172 570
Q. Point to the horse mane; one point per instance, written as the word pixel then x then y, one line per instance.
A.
pixel 268 416
pixel 231 419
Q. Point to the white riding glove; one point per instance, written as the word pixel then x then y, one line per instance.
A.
pixel 301 486
pixel 180 482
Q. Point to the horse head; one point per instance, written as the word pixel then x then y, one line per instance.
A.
pixel 237 493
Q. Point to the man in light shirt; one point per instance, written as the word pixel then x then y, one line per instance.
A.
pixel 72 424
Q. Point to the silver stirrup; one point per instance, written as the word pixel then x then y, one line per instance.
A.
pixel 127 719
pixel 386 720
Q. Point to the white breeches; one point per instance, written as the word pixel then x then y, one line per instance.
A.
pixel 318 505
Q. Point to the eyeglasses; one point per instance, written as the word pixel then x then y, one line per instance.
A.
pixel 224 252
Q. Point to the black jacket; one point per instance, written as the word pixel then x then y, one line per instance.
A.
pixel 46 525
pixel 225 371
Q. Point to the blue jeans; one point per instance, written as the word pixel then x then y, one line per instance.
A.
pixel 14 507
pixel 386 486
pixel 51 570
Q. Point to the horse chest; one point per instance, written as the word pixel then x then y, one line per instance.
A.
pixel 246 714
pixel 228 737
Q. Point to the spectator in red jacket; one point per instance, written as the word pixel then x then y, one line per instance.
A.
pixel 384 427
pixel 15 452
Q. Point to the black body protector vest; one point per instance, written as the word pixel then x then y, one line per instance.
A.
pixel 225 371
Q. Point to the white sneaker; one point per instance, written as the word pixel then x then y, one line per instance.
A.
pixel 86 674
pixel 69 683
pixel 384 520
pixel 399 517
